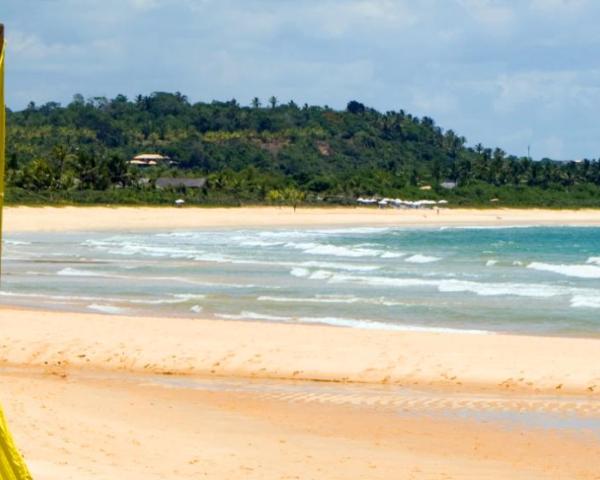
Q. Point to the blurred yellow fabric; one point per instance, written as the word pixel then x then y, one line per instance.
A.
pixel 2 129
pixel 12 466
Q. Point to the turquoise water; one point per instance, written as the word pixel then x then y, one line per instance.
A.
pixel 536 280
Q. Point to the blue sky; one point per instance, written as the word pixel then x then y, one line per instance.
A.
pixel 506 73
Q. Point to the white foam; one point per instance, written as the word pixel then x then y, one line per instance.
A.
pixel 352 230
pixel 594 260
pixel 186 297
pixel 393 255
pixel 300 272
pixel 456 286
pixel 259 243
pixel 320 275
pixel 178 298
pixel 491 263
pixel 331 299
pixel 196 309
pixel 88 298
pixel 578 271
pixel 287 234
pixel 253 316
pixel 347 323
pixel 422 259
pixel 133 248
pixel 177 235
pixel 16 242
pixel 44 297
pixel 216 258
pixel 501 289
pixel 322 232
pixel 487 227
pixel 374 325
pixel 74 272
pixel 376 281
pixel 268 298
pixel 585 301
pixel 341 266
pixel 110 309
pixel 334 250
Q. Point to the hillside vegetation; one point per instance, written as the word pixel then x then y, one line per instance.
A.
pixel 267 154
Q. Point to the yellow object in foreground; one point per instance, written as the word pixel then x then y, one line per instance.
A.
pixel 12 466
pixel 2 129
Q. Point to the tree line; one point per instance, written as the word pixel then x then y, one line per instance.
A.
pixel 268 153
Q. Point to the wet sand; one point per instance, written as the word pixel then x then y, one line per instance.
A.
pixel 110 427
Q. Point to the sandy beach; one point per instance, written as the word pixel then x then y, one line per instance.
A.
pixel 52 219
pixel 57 343
pixel 94 396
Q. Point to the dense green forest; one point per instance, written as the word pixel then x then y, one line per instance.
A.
pixel 271 153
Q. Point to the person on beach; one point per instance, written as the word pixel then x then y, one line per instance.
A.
pixel 12 466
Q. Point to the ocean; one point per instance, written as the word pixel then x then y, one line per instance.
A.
pixel 531 280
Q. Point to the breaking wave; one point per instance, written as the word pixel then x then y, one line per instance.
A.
pixel 110 309
pixel 577 271
pixel 422 259
pixel 348 323
pixel 585 301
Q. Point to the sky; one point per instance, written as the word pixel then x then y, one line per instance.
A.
pixel 506 73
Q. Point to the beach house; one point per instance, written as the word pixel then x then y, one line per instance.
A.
pixel 149 160
pixel 179 183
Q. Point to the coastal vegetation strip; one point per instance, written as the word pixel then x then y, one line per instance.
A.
pixel 277 154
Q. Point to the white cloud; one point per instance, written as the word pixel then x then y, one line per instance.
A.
pixel 546 90
pixel 494 14
pixel 559 7
pixel 434 104
pixel 27 46
pixel 553 147
pixel 144 4
pixel 334 18
pixel 488 69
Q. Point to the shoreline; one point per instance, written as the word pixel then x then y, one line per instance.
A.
pixel 55 343
pixel 61 219
pixel 325 402
pixel 381 327
pixel 92 396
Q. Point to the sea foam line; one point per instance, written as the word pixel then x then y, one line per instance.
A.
pixel 110 309
pixel 594 260
pixel 585 301
pixel 454 286
pixel 349 323
pixel 331 300
pixel 418 258
pixel 176 298
pixel 577 271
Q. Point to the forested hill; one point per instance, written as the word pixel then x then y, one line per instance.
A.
pixel 262 153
